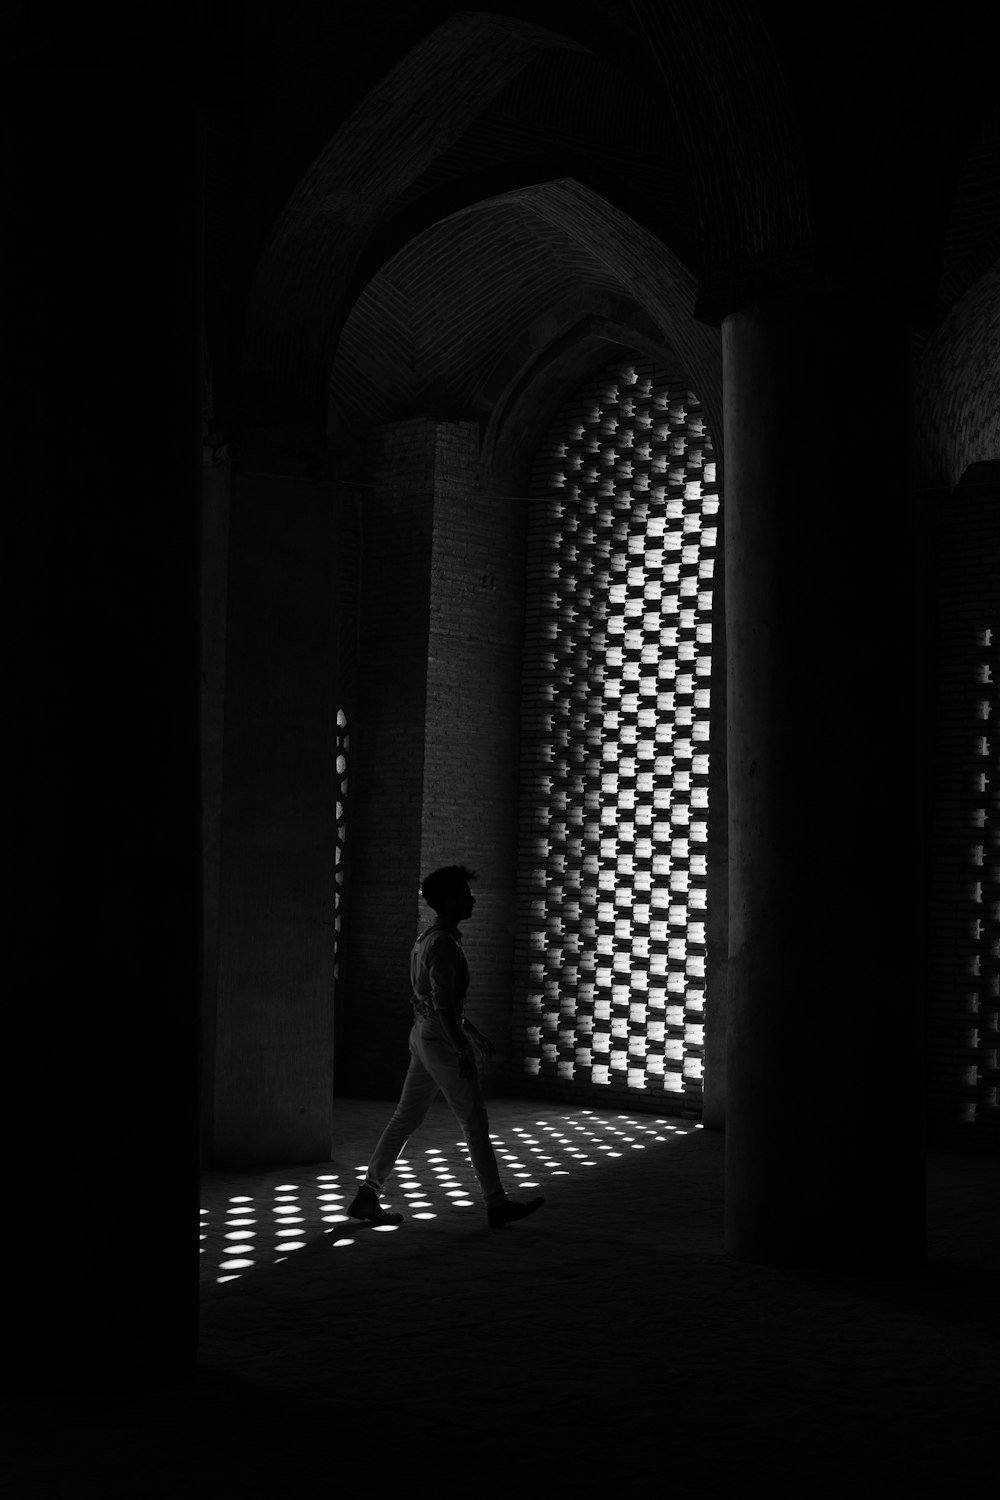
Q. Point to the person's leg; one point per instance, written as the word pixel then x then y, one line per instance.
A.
pixel 465 1096
pixel 418 1091
pixel 419 1088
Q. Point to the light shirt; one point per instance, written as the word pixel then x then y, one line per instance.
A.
pixel 439 970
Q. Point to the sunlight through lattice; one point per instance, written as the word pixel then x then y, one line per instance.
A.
pixel 615 742
pixel 263 1226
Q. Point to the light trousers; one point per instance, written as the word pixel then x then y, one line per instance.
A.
pixel 433 1069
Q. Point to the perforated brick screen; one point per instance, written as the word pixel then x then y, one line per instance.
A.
pixel 615 744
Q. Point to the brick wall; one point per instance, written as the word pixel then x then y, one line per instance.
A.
pixel 434 748
pixel 957 386
pixel 269 1037
pixel 385 794
pixel 435 744
pixel 473 700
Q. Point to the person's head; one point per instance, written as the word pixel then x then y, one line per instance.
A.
pixel 447 892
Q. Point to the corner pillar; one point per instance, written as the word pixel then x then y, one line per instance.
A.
pixel 824 1143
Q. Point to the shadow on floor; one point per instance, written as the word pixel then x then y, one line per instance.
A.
pixel 606 1345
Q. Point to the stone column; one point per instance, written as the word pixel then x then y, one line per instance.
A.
pixel 713 1109
pixel 824 1144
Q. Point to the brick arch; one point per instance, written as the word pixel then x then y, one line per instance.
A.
pixel 654 279
pixel 420 108
pixel 454 322
pixel 418 214
pixel 557 354
pixel 958 387
pixel 777 147
pixel 411 153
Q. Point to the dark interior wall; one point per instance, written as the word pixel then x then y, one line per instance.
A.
pixel 435 749
pixel 215 487
pixel 825 1002
pixel 103 346
pixel 272 1030
pixel 385 797
pixel 409 343
pixel 101 343
pixel 963 888
pixel 958 451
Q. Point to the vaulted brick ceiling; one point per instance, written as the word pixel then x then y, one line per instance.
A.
pixel 435 326
pixel 503 177
pixel 449 323
pixel 499 171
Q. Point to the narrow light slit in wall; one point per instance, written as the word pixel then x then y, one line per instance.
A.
pixel 343 752
pixel 982 908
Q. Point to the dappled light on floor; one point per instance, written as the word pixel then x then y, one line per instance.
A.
pixel 250 1229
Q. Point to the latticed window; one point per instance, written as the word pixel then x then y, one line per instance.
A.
pixel 615 744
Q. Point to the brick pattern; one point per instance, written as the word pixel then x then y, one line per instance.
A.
pixel 443 311
pixel 417 111
pixel 434 739
pixel 611 956
pixel 726 154
pixel 742 139
pixel 567 113
pixel 963 935
pixel 958 387
pixel 470 785
pixel 436 321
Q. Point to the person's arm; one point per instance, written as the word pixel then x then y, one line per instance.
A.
pixel 455 1032
pixel 482 1044
pixel 447 972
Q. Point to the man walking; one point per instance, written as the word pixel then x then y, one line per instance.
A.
pixel 443 1047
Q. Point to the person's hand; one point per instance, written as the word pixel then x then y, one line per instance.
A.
pixel 483 1045
pixel 466 1063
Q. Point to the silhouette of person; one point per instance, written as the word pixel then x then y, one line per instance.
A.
pixel 443 1048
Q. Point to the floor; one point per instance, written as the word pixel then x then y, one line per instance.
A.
pixel 608 1345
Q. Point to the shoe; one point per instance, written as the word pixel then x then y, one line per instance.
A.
pixel 506 1212
pixel 366 1206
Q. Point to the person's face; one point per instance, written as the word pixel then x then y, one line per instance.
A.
pixel 463 903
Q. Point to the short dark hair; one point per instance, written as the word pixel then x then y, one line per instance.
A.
pixel 441 884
